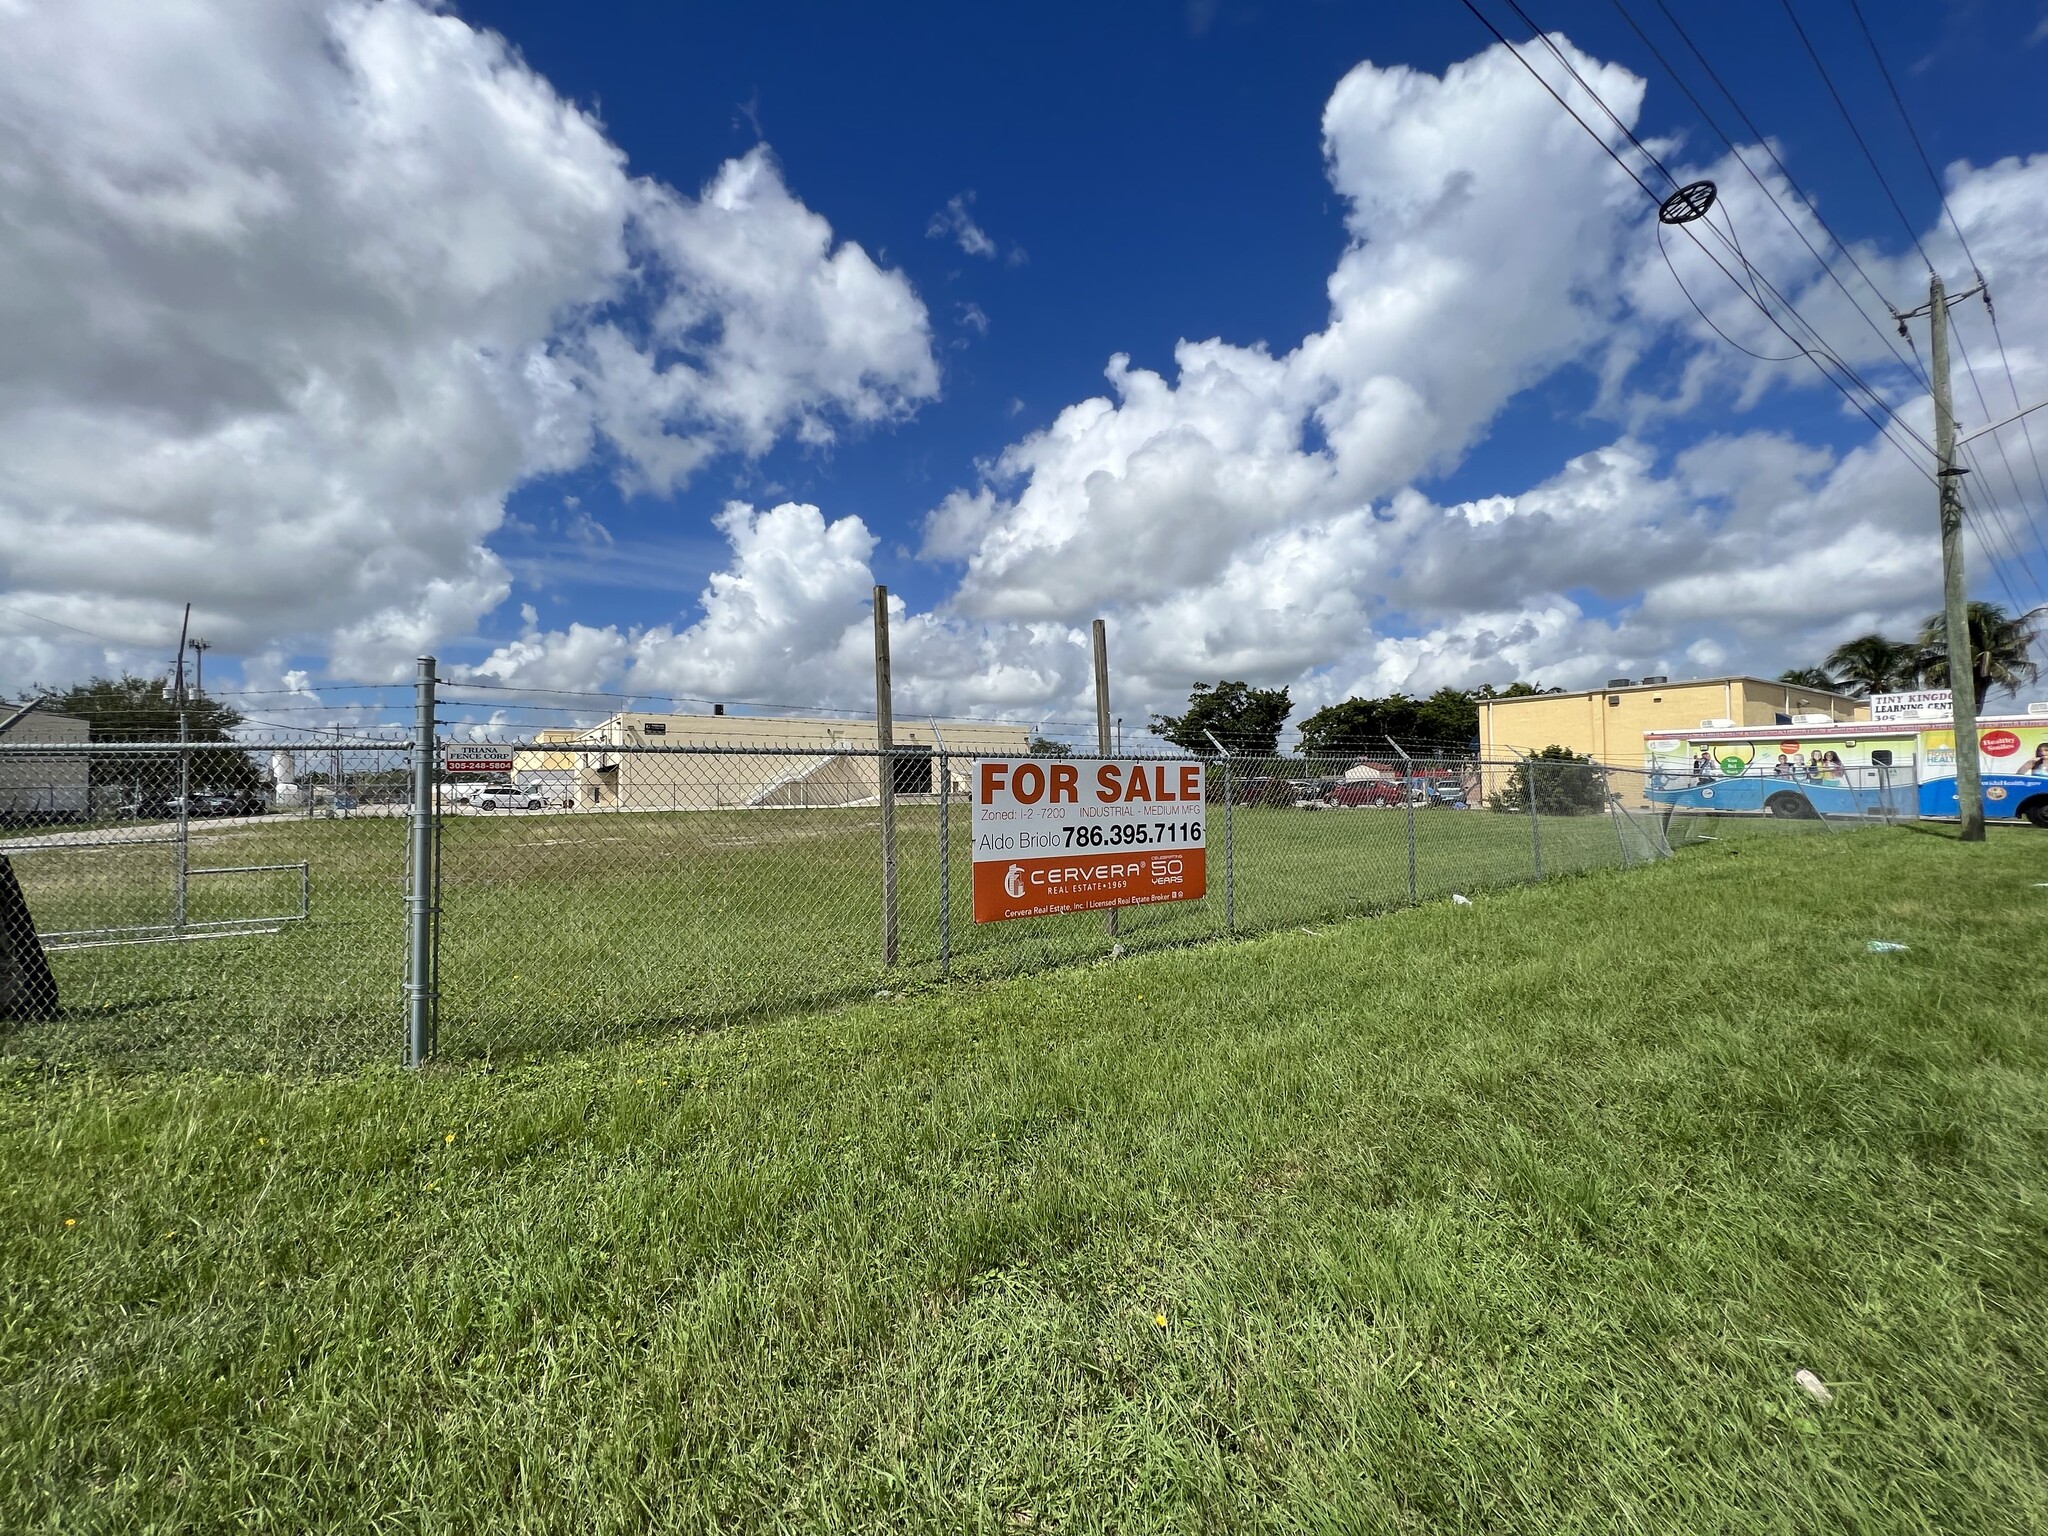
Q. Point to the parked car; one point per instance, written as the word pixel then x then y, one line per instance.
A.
pixel 1362 792
pixel 198 805
pixel 504 797
pixel 1264 790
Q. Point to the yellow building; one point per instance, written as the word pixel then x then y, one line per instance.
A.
pixel 1607 724
pixel 757 762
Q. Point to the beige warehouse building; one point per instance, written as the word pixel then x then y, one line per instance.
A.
pixel 631 761
pixel 1607 724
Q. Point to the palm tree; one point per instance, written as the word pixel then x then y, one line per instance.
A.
pixel 1874 664
pixel 1810 677
pixel 1999 649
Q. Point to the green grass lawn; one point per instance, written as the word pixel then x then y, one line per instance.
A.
pixel 1512 1217
pixel 560 931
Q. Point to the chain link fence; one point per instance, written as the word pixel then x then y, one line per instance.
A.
pixel 196 910
pixel 1797 801
pixel 191 915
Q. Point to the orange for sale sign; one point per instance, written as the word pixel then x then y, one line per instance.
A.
pixel 1057 836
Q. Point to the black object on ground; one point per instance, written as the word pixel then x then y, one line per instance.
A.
pixel 27 989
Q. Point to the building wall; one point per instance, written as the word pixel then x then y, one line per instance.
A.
pixel 40 788
pixel 810 768
pixel 1764 701
pixel 552 764
pixel 1608 724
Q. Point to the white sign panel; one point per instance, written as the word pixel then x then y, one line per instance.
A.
pixel 1927 704
pixel 1058 836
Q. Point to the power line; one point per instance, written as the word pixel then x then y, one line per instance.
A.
pixel 1819 358
pixel 1956 224
pixel 1791 357
pixel 1762 186
pixel 1990 527
pixel 1856 133
pixel 91 634
pixel 1884 183
pixel 1977 387
pixel 1764 141
pixel 1821 348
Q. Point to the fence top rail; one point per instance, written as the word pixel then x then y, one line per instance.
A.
pixel 1281 764
pixel 310 750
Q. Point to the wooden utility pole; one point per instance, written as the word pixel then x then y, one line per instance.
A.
pixel 885 741
pixel 178 687
pixel 1103 740
pixel 1962 671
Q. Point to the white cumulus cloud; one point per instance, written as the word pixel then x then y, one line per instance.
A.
pixel 296 291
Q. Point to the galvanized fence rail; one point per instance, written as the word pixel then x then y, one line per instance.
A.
pixel 197 910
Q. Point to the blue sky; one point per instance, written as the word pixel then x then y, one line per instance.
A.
pixel 1160 166
pixel 1026 193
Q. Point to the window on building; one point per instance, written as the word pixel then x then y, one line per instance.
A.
pixel 1613 699
pixel 1881 756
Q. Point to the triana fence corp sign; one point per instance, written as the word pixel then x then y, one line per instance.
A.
pixel 1054 836
pixel 1926 704
pixel 476 762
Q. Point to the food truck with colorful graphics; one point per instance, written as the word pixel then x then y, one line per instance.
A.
pixel 1904 768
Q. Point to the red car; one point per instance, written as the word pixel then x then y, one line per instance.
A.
pixel 1369 792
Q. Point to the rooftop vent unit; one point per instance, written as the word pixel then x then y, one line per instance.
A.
pixel 1813 719
pixel 1717 725
pixel 2037 709
pixel 1650 682
pixel 1619 682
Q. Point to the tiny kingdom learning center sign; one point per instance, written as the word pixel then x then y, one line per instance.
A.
pixel 1057 836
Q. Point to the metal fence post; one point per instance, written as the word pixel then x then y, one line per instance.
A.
pixel 1535 828
pixel 1229 852
pixel 885 741
pixel 945 768
pixel 1104 740
pixel 1614 812
pixel 421 991
pixel 1408 796
pixel 184 879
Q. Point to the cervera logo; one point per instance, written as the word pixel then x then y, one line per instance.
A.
pixel 1055 874
pixel 1013 881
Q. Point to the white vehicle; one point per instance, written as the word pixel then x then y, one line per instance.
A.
pixel 505 797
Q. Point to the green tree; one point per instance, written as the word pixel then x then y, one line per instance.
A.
pixel 145 709
pixel 1245 719
pixel 1359 726
pixel 1045 746
pixel 2000 647
pixel 142 709
pixel 1447 720
pixel 1567 784
pixel 1809 677
pixel 1873 664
